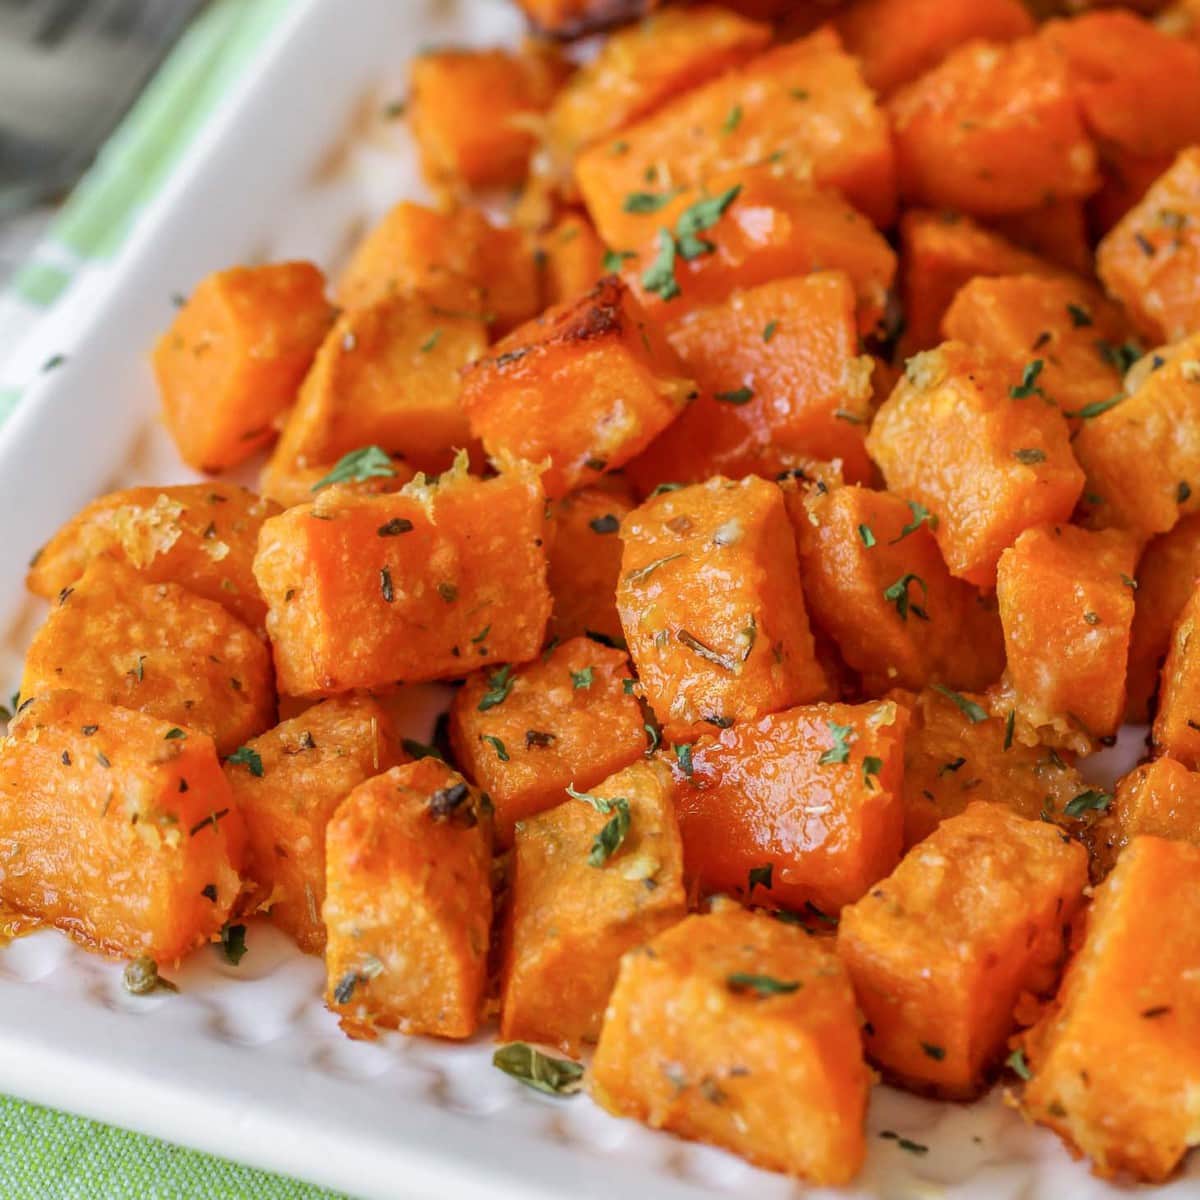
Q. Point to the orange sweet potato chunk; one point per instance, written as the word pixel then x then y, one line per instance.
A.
pixel 201 536
pixel 993 129
pixel 570 259
pixel 117 828
pixel 306 767
pixel 573 913
pixel 524 735
pixel 740 1031
pixel 800 809
pixel 709 654
pixel 941 950
pixel 1158 799
pixel 366 591
pixel 805 100
pixel 1066 604
pixel 987 458
pixel 1129 997
pixel 156 648
pixel 1177 725
pixel 1057 230
pixel 588 384
pixel 777 366
pixel 408 904
pixel 875 582
pixel 898 40
pixel 234 356
pixel 1150 260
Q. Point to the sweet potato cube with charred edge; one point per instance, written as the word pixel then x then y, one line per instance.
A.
pixel 524 735
pixel 1177 725
pixel 741 1031
pixel 575 909
pixel 570 259
pixel 1066 604
pixel 988 458
pixel 706 654
pixel 117 828
pixel 777 366
pixel 305 768
pixel 1116 1064
pixel 370 590
pixel 1160 799
pixel 1150 260
pixel 805 101
pixel 588 384
pixel 800 809
pixel 940 951
pixel 202 536
pixel 992 129
pixel 408 903
pixel 875 582
pixel 156 648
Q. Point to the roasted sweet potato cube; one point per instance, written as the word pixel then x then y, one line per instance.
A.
pixel 777 366
pixel 370 590
pixel 156 648
pixel 288 790
pixel 805 100
pixel 572 18
pixel 1158 799
pixel 898 40
pixel 201 536
pixel 1150 260
pixel 587 385
pixel 1116 1065
pixel 716 654
pixel 741 1031
pixel 1177 725
pixel 525 735
pixel 1057 230
pixel 988 458
pixel 408 903
pixel 875 582
pixel 234 356
pixel 940 951
pixel 1142 454
pixel 992 129
pixel 117 828
pixel 1066 604
pixel 800 809
pixel 471 112
pixel 576 906
pixel 570 259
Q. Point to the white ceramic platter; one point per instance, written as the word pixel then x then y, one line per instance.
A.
pixel 245 1062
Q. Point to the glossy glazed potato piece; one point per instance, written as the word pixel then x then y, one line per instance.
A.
pixel 771 1069
pixel 1157 799
pixel 117 828
pixel 572 917
pixel 939 253
pixel 805 100
pixel 408 904
pixel 572 18
pixel 585 564
pixel 288 483
pixel 1057 230
pixel 366 591
pixel 525 735
pixel 941 950
pixel 956 754
pixel 234 356
pixel 993 129
pixel 875 582
pixel 570 259
pixel 1129 997
pixel 471 112
pixel 309 765
pixel 1056 322
pixel 156 648
pixel 800 810
pixel 1150 260
pixel 898 40
pixel 776 366
pixel 1142 455
pixel 1177 725
pixel 587 385
pixel 987 463
pixel 201 536
pixel 457 261
pixel 709 652
pixel 387 375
